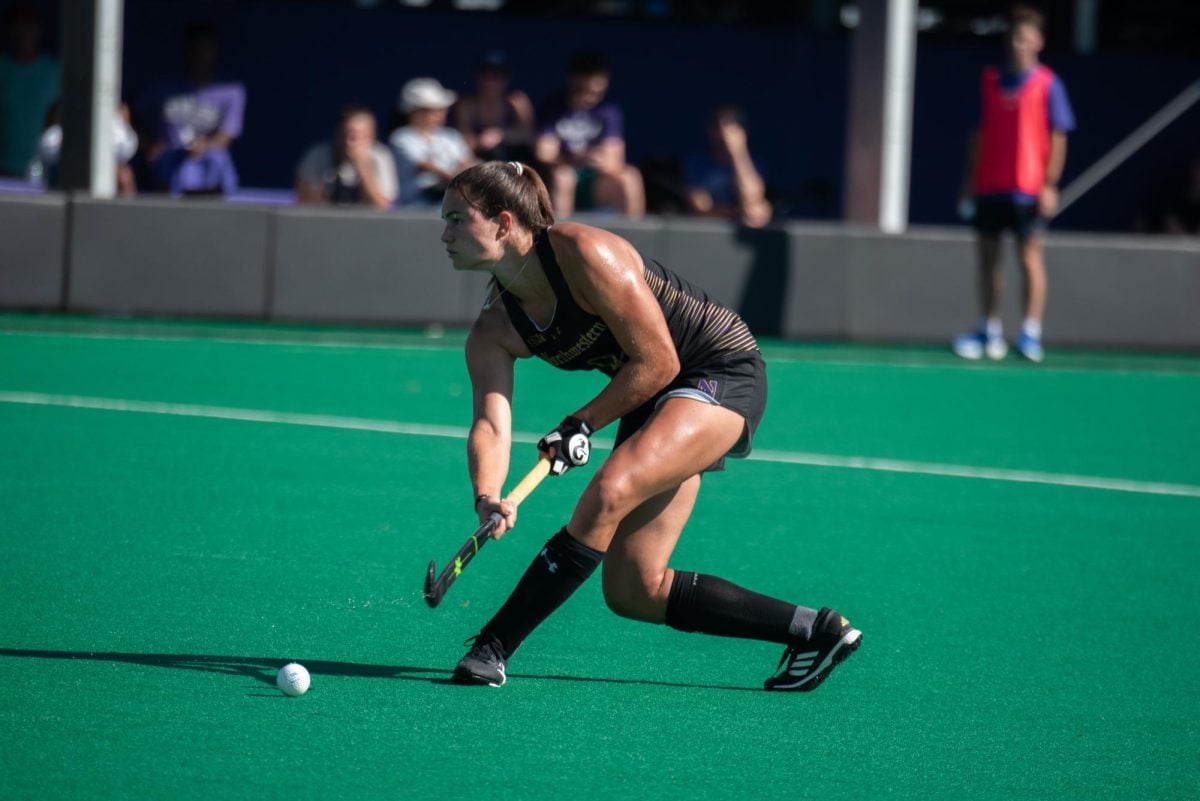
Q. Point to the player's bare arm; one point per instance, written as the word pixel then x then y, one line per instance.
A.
pixel 1048 198
pixel 604 273
pixel 491 351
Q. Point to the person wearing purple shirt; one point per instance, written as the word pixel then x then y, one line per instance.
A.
pixel 582 145
pixel 195 119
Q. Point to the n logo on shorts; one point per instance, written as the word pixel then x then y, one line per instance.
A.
pixel 708 387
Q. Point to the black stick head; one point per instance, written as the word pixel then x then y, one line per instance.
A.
pixel 432 597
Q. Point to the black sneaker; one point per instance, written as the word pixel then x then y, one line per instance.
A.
pixel 483 664
pixel 804 665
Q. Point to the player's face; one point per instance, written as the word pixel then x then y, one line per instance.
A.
pixel 586 91
pixel 491 81
pixel 471 240
pixel 1024 44
pixel 358 130
pixel 202 54
pixel 426 118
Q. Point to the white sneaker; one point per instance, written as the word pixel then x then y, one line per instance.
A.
pixel 978 344
pixel 1031 348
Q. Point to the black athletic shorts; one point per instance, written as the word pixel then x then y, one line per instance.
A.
pixel 994 214
pixel 737 381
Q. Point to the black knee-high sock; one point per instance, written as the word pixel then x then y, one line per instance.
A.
pixel 562 566
pixel 711 605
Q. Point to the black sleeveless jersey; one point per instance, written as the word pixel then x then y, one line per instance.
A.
pixel 700 327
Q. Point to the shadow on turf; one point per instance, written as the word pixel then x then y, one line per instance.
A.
pixel 263 669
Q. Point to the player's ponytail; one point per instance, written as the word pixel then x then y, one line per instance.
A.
pixel 496 186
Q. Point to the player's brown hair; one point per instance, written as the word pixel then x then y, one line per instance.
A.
pixel 1024 14
pixel 496 186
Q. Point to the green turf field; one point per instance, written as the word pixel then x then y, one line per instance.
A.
pixel 185 508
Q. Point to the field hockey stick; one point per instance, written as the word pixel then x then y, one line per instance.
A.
pixel 435 588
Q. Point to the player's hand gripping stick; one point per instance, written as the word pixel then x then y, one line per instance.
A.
pixel 435 588
pixel 571 443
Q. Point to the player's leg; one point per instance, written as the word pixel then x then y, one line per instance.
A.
pixel 608 192
pixel 634 189
pixel 1031 249
pixel 991 277
pixel 1033 260
pixel 562 189
pixel 623 191
pixel 988 338
pixel 639 584
pixel 637 580
pixel 682 438
pixel 559 569
pixel 638 503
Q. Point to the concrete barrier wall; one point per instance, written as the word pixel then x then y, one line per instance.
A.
pixel 1122 291
pixel 32 237
pixel 166 258
pixel 346 266
pixel 1103 290
pixel 799 281
pixel 920 286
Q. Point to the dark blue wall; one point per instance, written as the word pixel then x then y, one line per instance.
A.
pixel 302 61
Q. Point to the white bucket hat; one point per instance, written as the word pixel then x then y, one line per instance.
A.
pixel 425 93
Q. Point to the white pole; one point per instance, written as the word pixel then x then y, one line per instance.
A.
pixel 106 97
pixel 899 68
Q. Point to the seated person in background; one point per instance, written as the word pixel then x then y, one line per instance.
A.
pixel 44 167
pixel 724 180
pixel 428 153
pixel 194 120
pixel 356 168
pixel 29 82
pixel 582 145
pixel 497 122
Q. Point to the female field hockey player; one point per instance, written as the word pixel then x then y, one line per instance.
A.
pixel 688 385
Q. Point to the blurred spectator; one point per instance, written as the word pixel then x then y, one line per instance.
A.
pixel 1014 163
pixel 582 145
pixel 193 121
pixel 497 122
pixel 43 169
pixel 354 169
pixel 428 153
pixel 724 181
pixel 29 84
pixel 1183 206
